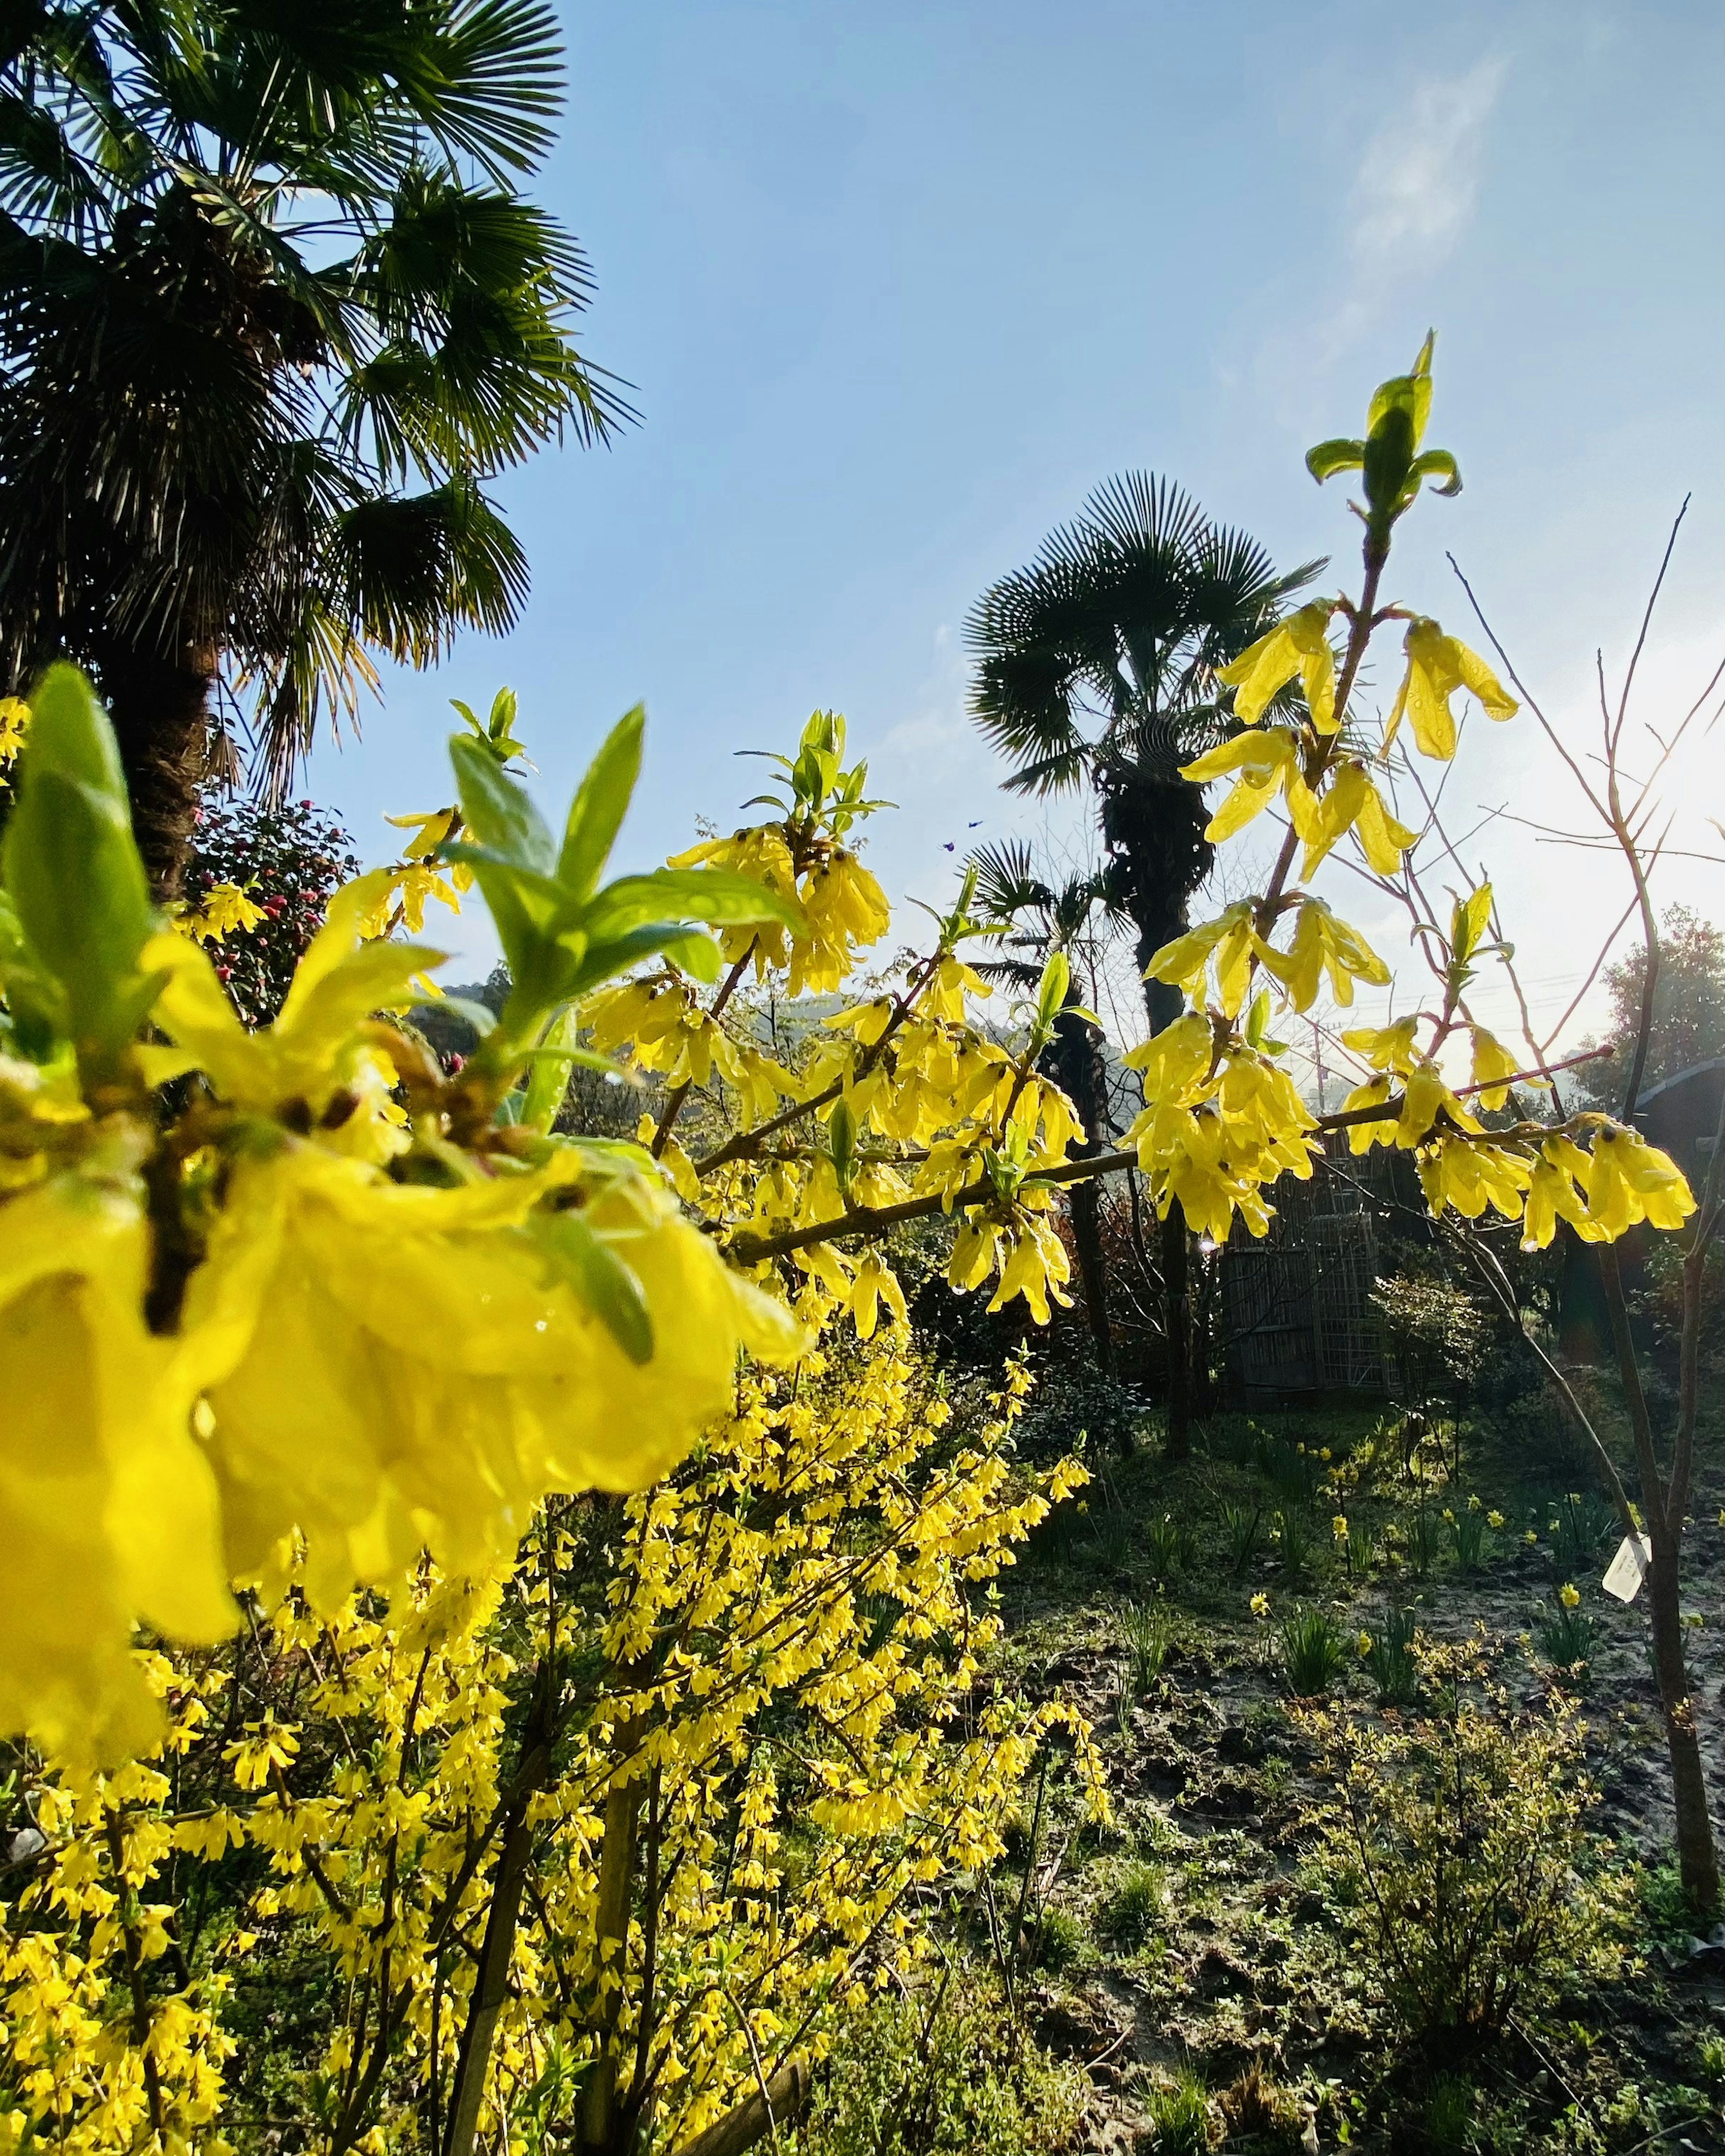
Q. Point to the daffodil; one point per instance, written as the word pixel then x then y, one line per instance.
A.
pixel 1299 645
pixel 1438 665
pixel 1568 1595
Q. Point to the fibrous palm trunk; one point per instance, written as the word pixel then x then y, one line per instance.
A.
pixel 159 701
pixel 1075 1059
pixel 1154 828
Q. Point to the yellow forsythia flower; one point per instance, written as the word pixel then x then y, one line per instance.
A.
pixel 1299 645
pixel 108 1509
pixel 223 910
pixel 1438 665
pixel 1265 760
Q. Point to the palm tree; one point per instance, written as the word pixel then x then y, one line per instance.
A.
pixel 1039 918
pixel 271 313
pixel 1097 667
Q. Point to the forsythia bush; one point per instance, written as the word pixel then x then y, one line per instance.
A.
pixel 598 1807
pixel 654 1803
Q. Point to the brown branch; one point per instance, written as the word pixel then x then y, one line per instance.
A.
pixel 674 1107
pixel 780 2101
pixel 128 1900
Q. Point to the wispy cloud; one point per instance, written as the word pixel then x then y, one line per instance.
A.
pixel 1420 176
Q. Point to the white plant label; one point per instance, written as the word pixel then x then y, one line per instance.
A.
pixel 1627 1570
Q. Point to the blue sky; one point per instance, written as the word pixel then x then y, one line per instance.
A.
pixel 897 285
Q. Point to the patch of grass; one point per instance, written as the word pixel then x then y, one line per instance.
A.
pixel 1298 1544
pixel 1111 1533
pixel 1566 1638
pixel 942 2069
pixel 1422 1543
pixel 1147 1629
pixel 1243 1525
pixel 1585 1526
pixel 1449 2113
pixel 1312 1653
pixel 1389 1659
pixel 1360 1552
pixel 1169 1545
pixel 1666 1909
pixel 1180 2115
pixel 1467 1532
pixel 1056 1940
pixel 1133 1910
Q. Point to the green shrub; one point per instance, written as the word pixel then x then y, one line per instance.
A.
pixel 943 2070
pixel 1460 1849
pixel 1180 2115
pixel 1312 1653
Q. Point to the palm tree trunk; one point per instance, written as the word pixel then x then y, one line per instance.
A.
pixel 1075 1060
pixel 159 703
pixel 1154 828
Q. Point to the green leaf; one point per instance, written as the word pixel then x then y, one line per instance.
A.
pixel 1051 991
pixel 479 1016
pixel 1469 921
pixel 711 894
pixel 1430 463
pixel 498 810
pixel 694 951
pixel 548 1074
pixel 1329 458
pixel 597 812
pixel 72 868
pixel 605 1284
pixel 841 1143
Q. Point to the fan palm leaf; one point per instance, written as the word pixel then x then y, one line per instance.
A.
pixel 272 313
